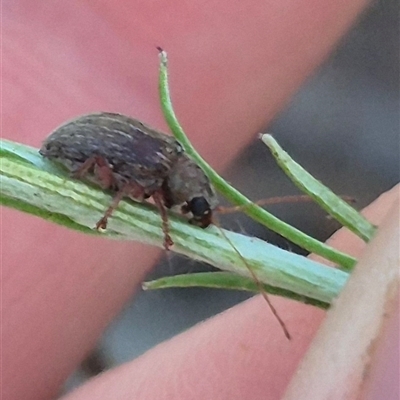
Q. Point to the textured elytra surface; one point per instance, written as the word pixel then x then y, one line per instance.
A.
pixel 134 151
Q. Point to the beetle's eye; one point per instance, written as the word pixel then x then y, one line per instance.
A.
pixel 199 206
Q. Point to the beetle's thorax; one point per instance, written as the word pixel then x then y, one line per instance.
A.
pixel 186 180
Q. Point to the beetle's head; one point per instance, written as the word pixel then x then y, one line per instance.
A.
pixel 188 186
pixel 201 211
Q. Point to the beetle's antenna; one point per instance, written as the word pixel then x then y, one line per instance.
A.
pixel 276 200
pixel 258 283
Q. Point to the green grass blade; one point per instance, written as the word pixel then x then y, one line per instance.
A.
pixel 227 281
pixel 329 201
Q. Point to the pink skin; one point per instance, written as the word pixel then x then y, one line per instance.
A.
pixel 232 68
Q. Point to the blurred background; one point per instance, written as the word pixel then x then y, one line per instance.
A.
pixel 342 126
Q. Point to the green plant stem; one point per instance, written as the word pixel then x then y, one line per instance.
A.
pixel 257 213
pixel 33 184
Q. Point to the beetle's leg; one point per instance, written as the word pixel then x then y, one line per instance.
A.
pixel 158 198
pixel 130 189
pixel 102 223
pixel 101 168
pixel 84 169
pixel 104 173
pixel 136 192
pixel 166 195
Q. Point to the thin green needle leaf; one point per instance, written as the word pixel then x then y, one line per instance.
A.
pixel 329 201
pixel 254 211
pixel 227 281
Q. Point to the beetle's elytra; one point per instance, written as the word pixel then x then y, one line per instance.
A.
pixel 133 160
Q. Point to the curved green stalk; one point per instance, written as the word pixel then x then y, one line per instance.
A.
pixel 257 213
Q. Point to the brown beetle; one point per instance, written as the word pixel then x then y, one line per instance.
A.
pixel 133 160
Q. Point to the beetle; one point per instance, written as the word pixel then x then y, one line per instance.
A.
pixel 133 160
